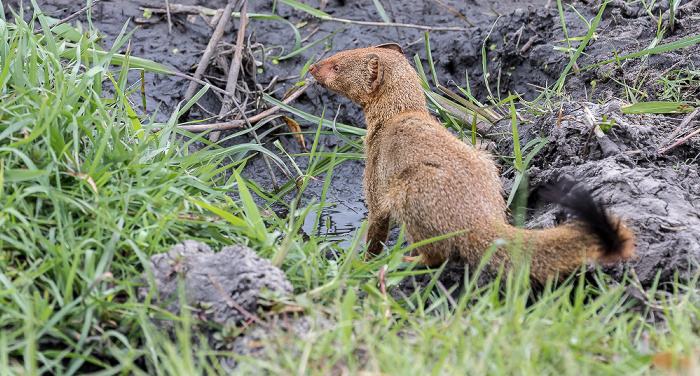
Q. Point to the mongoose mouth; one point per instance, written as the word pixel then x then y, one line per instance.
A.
pixel 314 70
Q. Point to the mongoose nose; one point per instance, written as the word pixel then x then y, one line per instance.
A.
pixel 312 68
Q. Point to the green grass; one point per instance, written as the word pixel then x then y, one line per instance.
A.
pixel 89 193
pixel 566 331
pixel 681 86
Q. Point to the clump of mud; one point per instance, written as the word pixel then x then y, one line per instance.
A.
pixel 222 287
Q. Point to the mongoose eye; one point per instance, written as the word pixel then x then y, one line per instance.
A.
pixel 336 69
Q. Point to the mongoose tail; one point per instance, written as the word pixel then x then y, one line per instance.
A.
pixel 593 235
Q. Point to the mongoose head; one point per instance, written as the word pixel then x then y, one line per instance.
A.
pixel 359 74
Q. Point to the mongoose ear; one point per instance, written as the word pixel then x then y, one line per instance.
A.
pixel 391 46
pixel 375 70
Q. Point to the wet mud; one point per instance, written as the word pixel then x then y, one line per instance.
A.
pixel 657 194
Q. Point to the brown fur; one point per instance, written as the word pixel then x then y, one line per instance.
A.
pixel 420 174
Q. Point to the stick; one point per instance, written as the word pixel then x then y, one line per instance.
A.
pixel 170 23
pixel 182 8
pixel 239 123
pixel 232 303
pixel 72 16
pixel 208 52
pixel 455 12
pixel 447 294
pixel 682 140
pixel 235 68
pixel 197 9
pixel 203 83
pixel 231 88
pixel 391 24
pixel 683 123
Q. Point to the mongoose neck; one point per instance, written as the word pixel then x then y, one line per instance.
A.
pixel 394 98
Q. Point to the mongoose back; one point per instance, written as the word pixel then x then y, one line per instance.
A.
pixel 423 176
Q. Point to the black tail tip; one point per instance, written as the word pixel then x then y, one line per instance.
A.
pixel 616 240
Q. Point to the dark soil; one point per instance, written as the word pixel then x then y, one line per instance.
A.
pixel 658 194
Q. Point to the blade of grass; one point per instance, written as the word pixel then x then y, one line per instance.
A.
pixel 682 43
pixel 560 82
pixel 657 108
pixel 382 12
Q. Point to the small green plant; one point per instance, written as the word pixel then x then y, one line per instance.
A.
pixel 672 14
pixel 680 86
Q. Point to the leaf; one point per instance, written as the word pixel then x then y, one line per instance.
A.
pixel 251 210
pixel 382 12
pixel 430 59
pixel 118 59
pixel 560 82
pixel 13 175
pixel 232 219
pixel 297 36
pixel 302 49
pixel 516 185
pixel 312 11
pixel 314 119
pixel 87 178
pixel 685 42
pixel 657 108
pixel 296 129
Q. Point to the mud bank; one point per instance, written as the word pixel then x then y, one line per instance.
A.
pixel 658 194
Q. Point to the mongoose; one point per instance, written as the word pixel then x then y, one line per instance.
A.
pixel 423 176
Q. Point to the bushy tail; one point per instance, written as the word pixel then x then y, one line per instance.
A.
pixel 614 240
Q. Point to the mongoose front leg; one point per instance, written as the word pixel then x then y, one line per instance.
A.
pixel 377 234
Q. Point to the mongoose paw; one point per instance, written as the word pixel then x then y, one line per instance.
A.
pixel 411 259
pixel 368 257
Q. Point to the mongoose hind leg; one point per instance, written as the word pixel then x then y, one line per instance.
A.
pixel 377 234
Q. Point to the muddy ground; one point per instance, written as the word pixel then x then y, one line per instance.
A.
pixel 658 194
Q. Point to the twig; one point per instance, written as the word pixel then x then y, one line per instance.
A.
pixel 588 115
pixel 232 79
pixel 208 52
pixel 382 288
pixel 170 23
pixel 197 9
pixel 72 16
pixel 255 134
pixel 232 303
pixel 683 123
pixel 528 44
pixel 392 24
pixel 682 140
pixel 317 28
pixel 182 8
pixel 455 12
pixel 239 123
pixel 447 294
pixel 201 82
